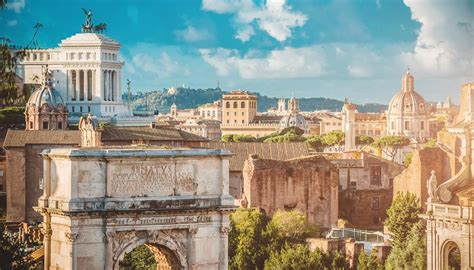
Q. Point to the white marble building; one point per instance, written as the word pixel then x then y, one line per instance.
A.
pixel 87 72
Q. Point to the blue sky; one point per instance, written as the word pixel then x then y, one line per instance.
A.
pixel 357 49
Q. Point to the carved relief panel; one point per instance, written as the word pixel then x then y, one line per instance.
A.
pixel 151 179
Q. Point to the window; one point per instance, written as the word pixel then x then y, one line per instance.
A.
pixel 88 108
pixel 45 125
pixel 376 203
pixel 390 182
pixel 1 173
pixel 422 125
pixel 236 105
pixel 407 125
pixel 60 125
pixel 80 108
pixel 227 113
pixel 235 113
pixel 73 108
pixel 31 125
pixel 376 175
pixel 243 113
pixel 227 121
pixel 227 104
pixel 353 185
pixel 235 121
pixel 242 104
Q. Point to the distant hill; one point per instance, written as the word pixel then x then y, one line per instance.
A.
pixel 186 98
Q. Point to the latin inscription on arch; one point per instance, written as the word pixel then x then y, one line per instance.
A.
pixel 151 179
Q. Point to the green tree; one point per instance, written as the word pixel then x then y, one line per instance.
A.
pixel 139 258
pixel 300 257
pixel 362 261
pixel 14 253
pixel 287 228
pixel 408 159
pixel 391 144
pixel 412 255
pixel 431 143
pixel 362 140
pixel 237 138
pixel 315 142
pixel 227 138
pixel 246 242
pixel 334 138
pixel 401 216
pixel 294 257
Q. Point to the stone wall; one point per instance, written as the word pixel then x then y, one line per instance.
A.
pixel 16 184
pixel 414 178
pixel 23 174
pixel 365 209
pixel 309 185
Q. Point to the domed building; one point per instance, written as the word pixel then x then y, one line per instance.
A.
pixel 45 110
pixel 408 113
pixel 293 118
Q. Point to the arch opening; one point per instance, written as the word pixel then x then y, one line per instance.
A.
pixel 452 256
pixel 150 257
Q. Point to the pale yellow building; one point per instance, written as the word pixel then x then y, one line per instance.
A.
pixel 238 107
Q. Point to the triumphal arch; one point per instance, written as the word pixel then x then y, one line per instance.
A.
pixel 100 203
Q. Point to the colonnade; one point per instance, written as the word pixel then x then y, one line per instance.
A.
pixel 83 85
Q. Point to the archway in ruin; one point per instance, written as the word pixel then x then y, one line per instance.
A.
pixel 150 257
pixel 451 256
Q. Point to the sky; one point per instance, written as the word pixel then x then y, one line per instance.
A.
pixel 355 49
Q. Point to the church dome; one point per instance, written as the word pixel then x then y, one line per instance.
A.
pixel 293 118
pixel 46 96
pixel 407 100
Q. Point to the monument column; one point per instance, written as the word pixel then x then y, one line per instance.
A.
pixel 86 84
pixel 78 85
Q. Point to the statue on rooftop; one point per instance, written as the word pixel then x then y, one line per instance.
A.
pixel 88 27
pixel 431 187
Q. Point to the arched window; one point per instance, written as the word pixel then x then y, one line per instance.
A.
pixel 227 104
pixel 236 105
pixel 422 125
pixel 242 104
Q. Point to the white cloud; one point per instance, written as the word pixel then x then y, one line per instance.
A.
pixel 192 34
pixel 285 63
pixel 161 62
pixel 445 43
pixel 12 23
pixel 378 4
pixel 16 5
pixel 274 17
pixel 245 33
pixel 220 6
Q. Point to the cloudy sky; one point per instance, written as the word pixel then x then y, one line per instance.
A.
pixel 357 49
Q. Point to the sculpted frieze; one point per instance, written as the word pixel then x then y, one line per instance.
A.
pixel 163 179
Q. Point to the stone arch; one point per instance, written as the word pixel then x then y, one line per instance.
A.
pixel 448 247
pixel 163 245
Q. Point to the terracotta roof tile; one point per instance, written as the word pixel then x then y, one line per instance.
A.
pixel 19 138
pixel 277 151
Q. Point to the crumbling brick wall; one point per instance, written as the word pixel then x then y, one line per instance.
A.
pixel 309 185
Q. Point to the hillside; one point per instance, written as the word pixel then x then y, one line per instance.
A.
pixel 186 98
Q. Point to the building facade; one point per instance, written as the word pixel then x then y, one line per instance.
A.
pixel 45 108
pixel 408 113
pixel 86 71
